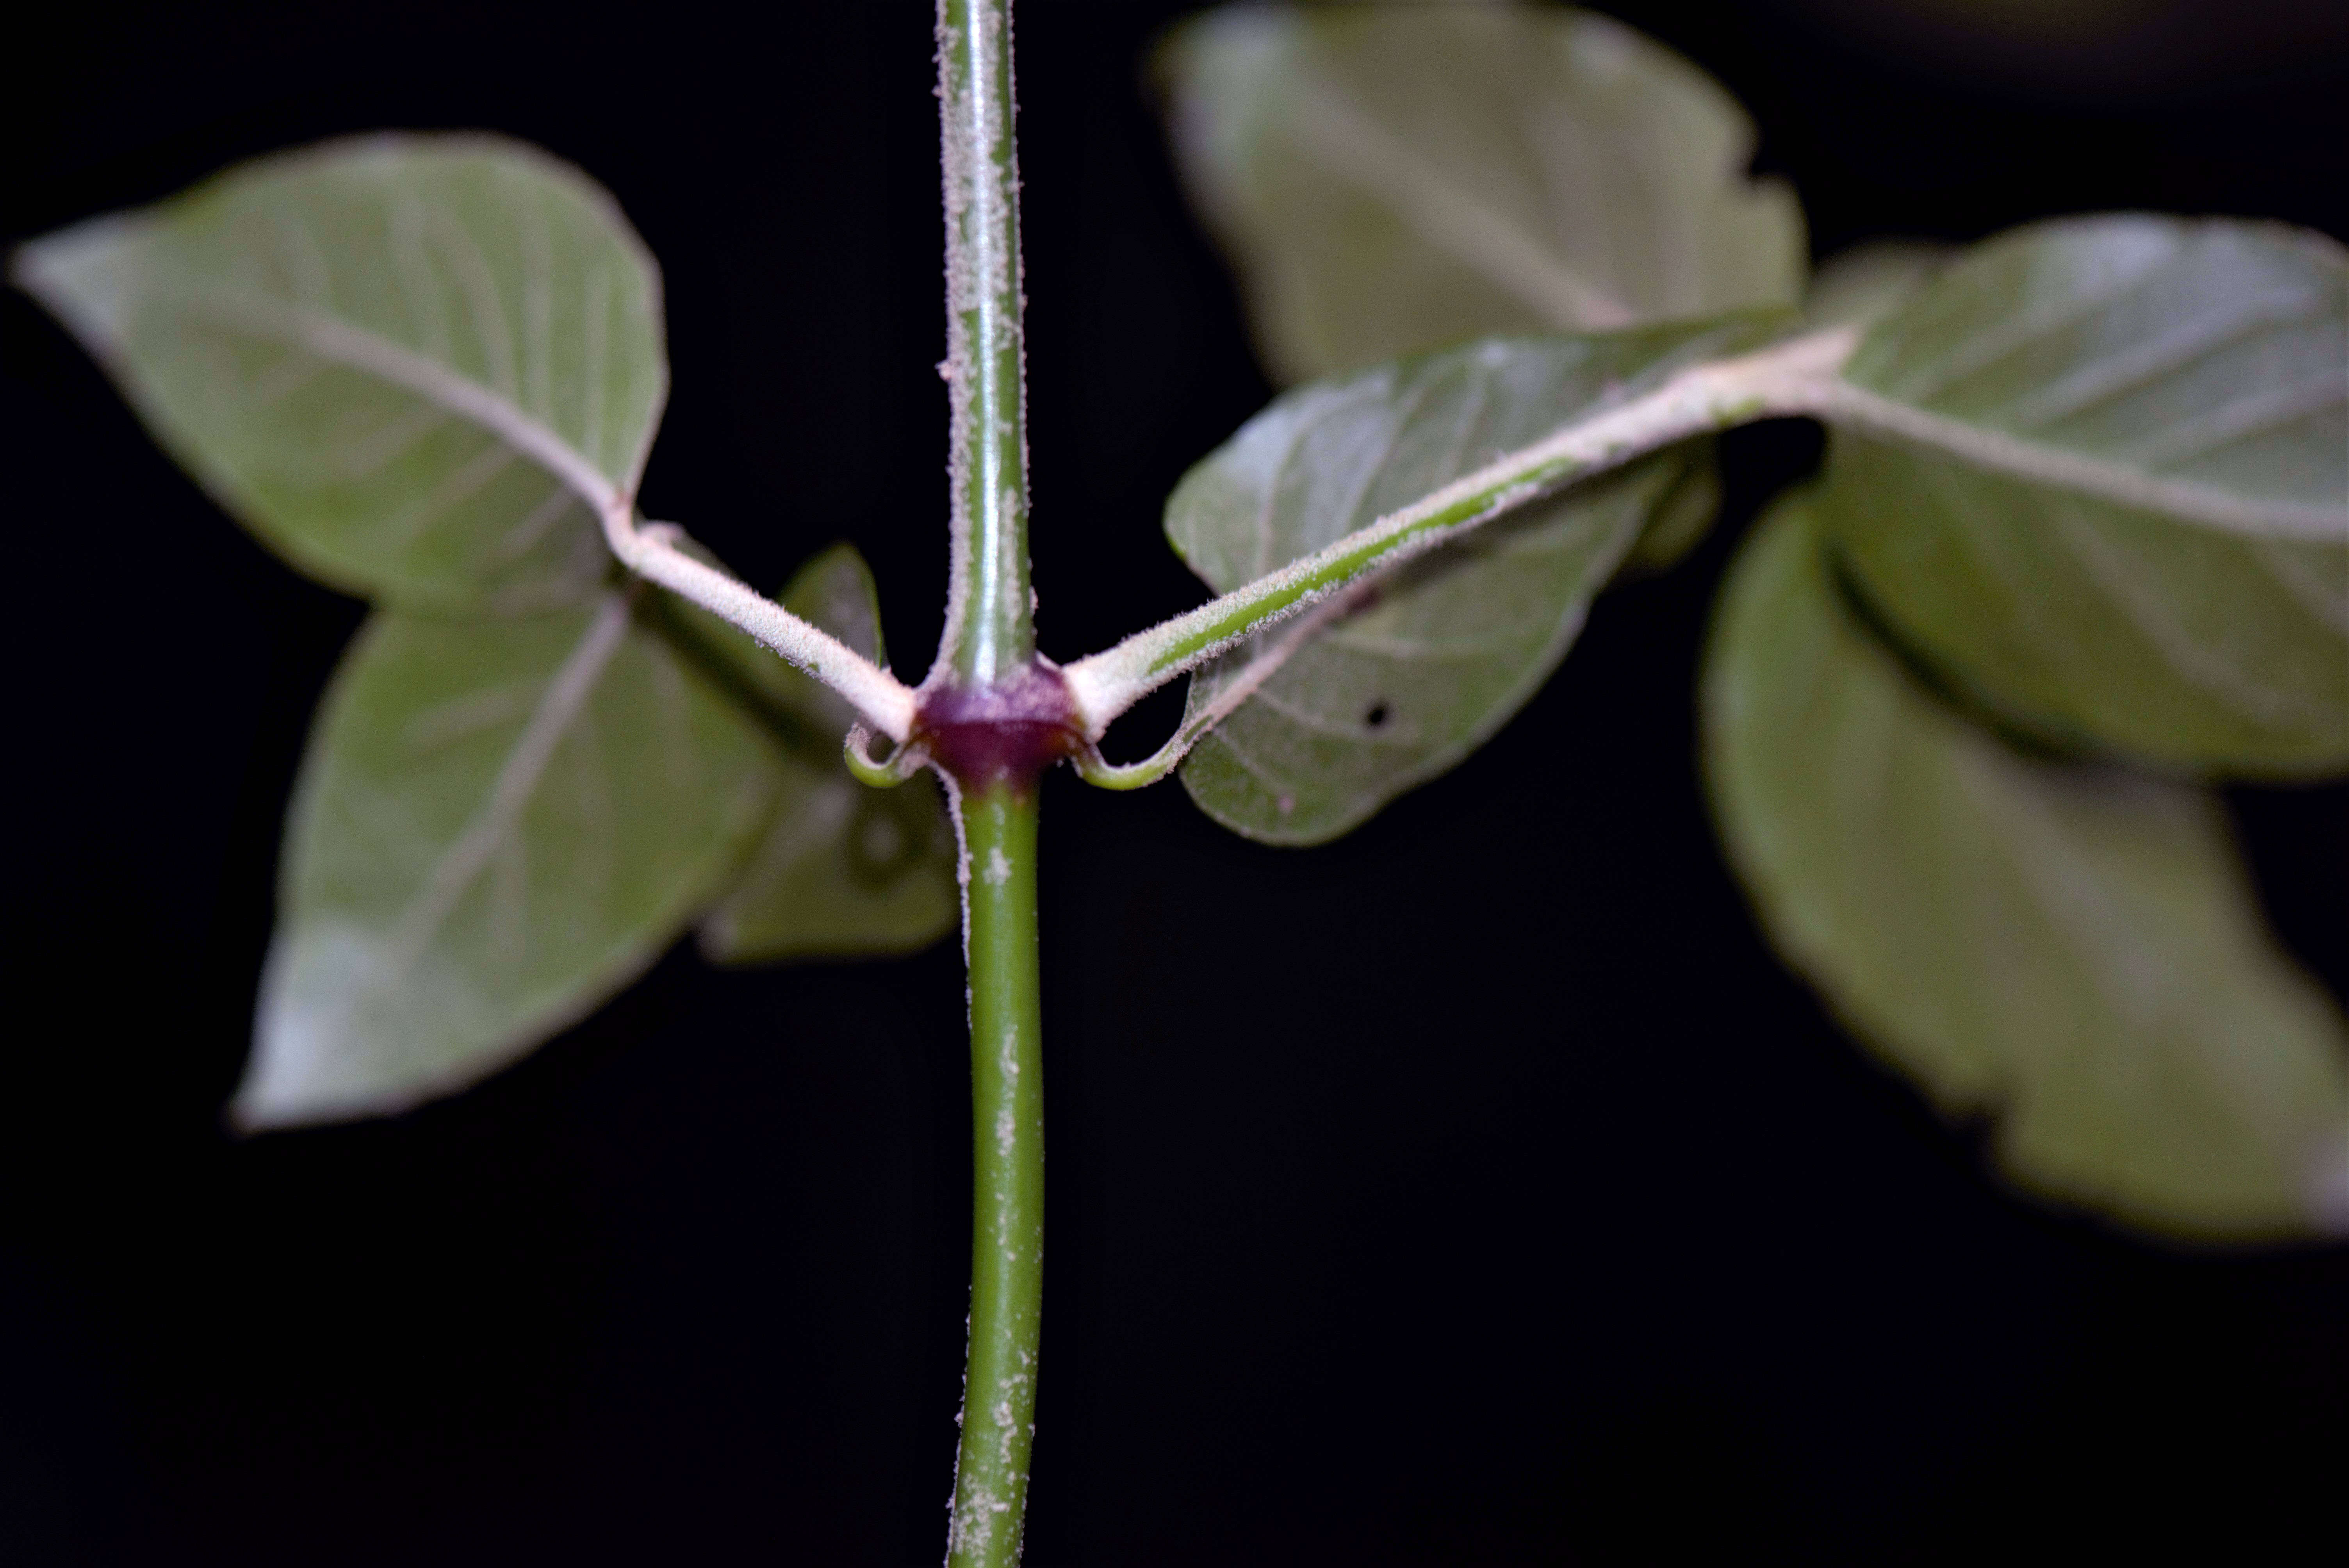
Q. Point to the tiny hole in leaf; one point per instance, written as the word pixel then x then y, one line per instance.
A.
pixel 1377 716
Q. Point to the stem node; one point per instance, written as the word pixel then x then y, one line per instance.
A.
pixel 1002 734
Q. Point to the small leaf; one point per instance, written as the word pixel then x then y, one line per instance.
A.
pixel 1858 286
pixel 497 825
pixel 1445 651
pixel 2097 475
pixel 1683 516
pixel 841 868
pixel 1388 180
pixel 2070 948
pixel 387 356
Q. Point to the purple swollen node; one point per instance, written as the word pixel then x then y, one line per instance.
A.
pixel 1004 733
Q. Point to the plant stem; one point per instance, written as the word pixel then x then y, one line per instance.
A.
pixel 981 719
pixel 989 631
pixel 1007 1244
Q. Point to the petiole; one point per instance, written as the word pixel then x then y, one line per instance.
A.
pixel 1795 377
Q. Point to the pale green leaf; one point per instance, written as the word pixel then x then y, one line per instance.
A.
pixel 388 357
pixel 841 868
pixel 1441 653
pixel 1683 516
pixel 2097 475
pixel 1388 180
pixel 1858 286
pixel 498 823
pixel 2071 949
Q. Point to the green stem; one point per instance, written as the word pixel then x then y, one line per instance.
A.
pixel 1007 1242
pixel 986 666
pixel 991 631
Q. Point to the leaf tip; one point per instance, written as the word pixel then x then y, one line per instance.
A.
pixel 332 1041
pixel 299 1075
pixel 82 275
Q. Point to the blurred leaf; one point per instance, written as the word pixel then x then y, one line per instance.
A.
pixel 321 336
pixel 2102 485
pixel 1450 645
pixel 1683 516
pixel 1388 180
pixel 1858 286
pixel 841 868
pixel 2071 948
pixel 497 825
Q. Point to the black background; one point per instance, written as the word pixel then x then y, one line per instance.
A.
pixel 1475 1190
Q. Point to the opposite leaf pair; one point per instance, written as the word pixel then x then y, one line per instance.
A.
pixel 528 777
pixel 2088 483
pixel 2092 478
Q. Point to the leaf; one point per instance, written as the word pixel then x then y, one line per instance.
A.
pixel 1446 649
pixel 841 868
pixel 1859 286
pixel 2097 475
pixel 2069 948
pixel 498 824
pixel 401 360
pixel 1388 180
pixel 1683 516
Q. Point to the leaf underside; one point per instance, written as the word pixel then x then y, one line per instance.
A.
pixel 2069 948
pixel 1683 514
pixel 498 823
pixel 2205 359
pixel 1387 181
pixel 841 868
pixel 1859 286
pixel 385 355
pixel 1390 180
pixel 285 328
pixel 1448 647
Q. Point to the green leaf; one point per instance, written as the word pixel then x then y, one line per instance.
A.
pixel 1388 180
pixel 2070 948
pixel 497 825
pixel 1447 648
pixel 1859 286
pixel 1683 516
pixel 2097 475
pixel 841 868
pixel 403 361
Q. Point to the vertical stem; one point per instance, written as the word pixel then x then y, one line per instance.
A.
pixel 986 658
pixel 990 628
pixel 1007 1242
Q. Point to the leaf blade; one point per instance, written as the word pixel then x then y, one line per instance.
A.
pixel 2072 949
pixel 842 870
pixel 1388 180
pixel 2099 474
pixel 414 366
pixel 1858 286
pixel 1443 651
pixel 498 823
